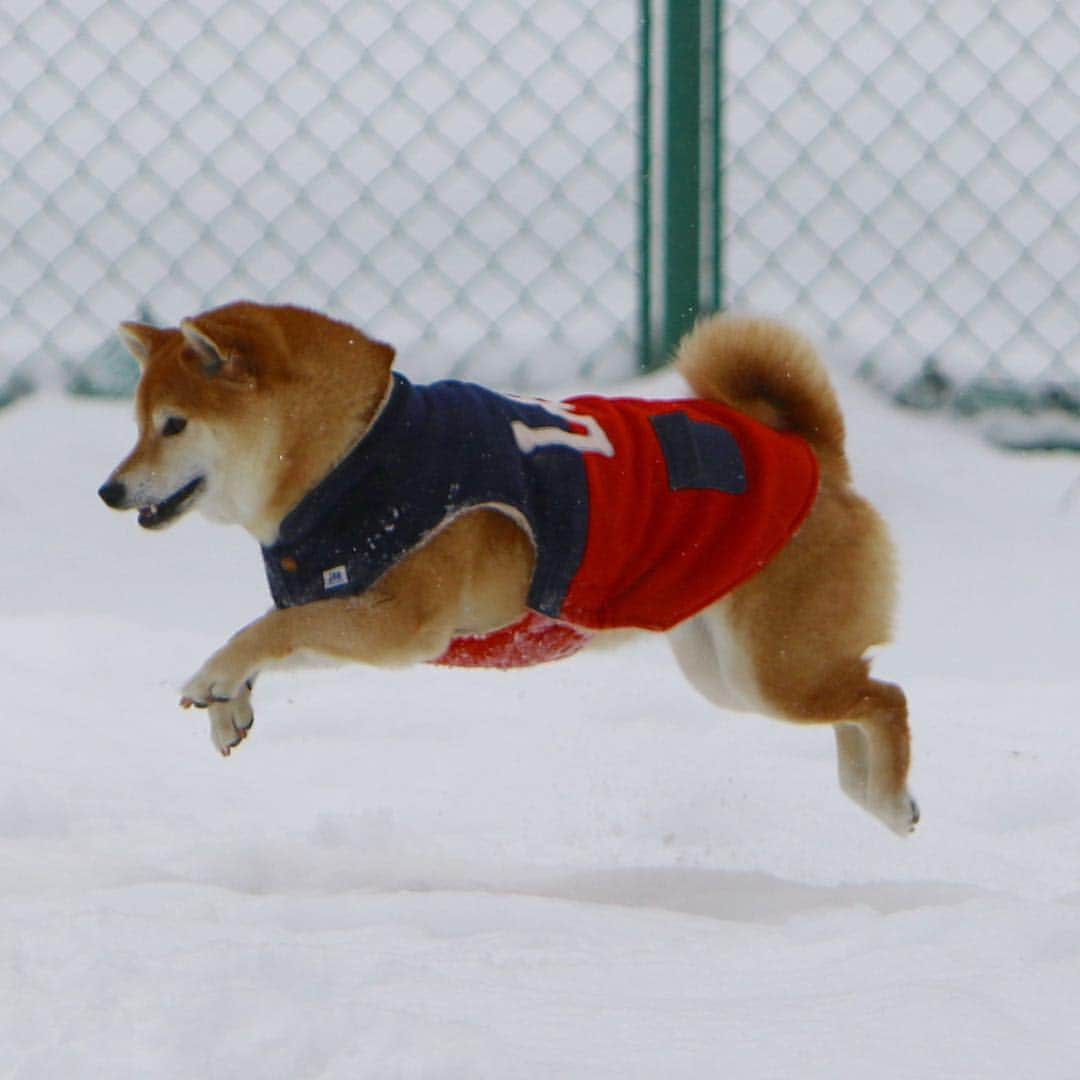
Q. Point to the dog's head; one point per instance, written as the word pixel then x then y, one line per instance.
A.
pixel 234 408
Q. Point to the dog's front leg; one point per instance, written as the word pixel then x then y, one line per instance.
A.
pixel 371 629
pixel 227 675
pixel 470 578
pixel 224 683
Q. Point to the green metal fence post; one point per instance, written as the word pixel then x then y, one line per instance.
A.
pixel 682 198
pixel 645 164
pixel 716 142
pixel 691 225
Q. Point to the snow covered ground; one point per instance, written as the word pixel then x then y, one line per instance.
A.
pixel 578 871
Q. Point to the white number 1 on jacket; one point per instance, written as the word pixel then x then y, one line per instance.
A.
pixel 593 440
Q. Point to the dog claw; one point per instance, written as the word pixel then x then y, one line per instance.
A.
pixel 230 723
pixel 194 703
pixel 226 749
pixel 905 822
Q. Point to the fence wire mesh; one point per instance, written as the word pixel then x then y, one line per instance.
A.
pixel 905 180
pixel 456 176
pixel 462 177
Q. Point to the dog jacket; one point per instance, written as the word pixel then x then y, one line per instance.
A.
pixel 642 513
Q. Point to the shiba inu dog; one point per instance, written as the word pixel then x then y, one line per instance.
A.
pixel 446 523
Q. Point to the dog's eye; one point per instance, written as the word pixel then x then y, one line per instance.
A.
pixel 173 425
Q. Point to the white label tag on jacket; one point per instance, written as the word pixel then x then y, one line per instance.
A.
pixel 335 577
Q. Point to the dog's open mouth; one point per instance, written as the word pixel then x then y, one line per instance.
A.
pixel 157 514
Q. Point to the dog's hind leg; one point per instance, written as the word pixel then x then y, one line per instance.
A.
pixel 806 623
pixel 711 659
pixel 873 749
pixel 852 761
pixel 794 679
pixel 870 723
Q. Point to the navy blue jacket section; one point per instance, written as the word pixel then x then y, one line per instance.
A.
pixel 431 453
pixel 700 455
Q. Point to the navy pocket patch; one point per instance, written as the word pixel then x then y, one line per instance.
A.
pixel 699 454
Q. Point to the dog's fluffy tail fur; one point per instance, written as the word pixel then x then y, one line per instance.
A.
pixel 770 372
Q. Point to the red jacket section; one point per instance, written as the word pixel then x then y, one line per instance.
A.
pixel 690 499
pixel 533 639
pixel 655 556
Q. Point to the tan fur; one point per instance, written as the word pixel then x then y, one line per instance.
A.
pixel 324 380
pixel 806 621
pixel 770 372
pixel 274 397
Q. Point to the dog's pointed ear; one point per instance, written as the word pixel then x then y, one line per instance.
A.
pixel 214 359
pixel 139 339
pixel 211 357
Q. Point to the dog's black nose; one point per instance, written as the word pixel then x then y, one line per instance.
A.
pixel 112 493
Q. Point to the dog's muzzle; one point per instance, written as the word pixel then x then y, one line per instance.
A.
pixel 114 493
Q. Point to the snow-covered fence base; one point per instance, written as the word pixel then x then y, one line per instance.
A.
pixel 1035 415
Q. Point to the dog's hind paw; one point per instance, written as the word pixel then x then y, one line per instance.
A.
pixel 230 722
pixel 913 815
pixel 902 816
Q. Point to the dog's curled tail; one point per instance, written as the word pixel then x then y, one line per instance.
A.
pixel 770 372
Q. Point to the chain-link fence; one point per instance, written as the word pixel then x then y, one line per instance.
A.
pixel 904 178
pixel 456 176
pixel 463 177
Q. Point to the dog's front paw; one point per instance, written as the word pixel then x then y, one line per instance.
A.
pixel 210 685
pixel 228 701
pixel 230 722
